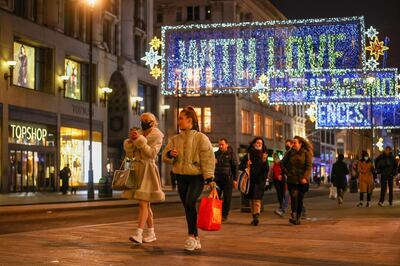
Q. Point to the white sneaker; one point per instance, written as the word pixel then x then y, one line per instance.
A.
pixel 149 238
pixel 198 244
pixel 136 238
pixel 191 243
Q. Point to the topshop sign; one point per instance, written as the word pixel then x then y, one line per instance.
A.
pixel 28 132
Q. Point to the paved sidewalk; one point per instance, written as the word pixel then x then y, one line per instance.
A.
pixel 332 235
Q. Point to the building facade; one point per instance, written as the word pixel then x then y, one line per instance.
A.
pixel 44 100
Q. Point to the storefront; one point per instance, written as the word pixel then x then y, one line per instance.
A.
pixel 74 152
pixel 32 154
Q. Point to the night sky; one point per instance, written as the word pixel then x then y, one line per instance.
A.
pixel 384 15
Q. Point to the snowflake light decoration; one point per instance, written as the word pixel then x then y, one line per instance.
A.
pixel 371 33
pixel 372 64
pixel 379 144
pixel 259 86
pixel 263 78
pixel 155 43
pixel 311 112
pixel 151 58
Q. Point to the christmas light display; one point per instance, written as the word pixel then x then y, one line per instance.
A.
pixel 232 57
pixel 293 87
pixel 376 48
pixel 355 113
pixel 380 144
pixel 371 32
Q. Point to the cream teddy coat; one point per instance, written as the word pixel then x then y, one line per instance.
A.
pixel 145 150
pixel 196 155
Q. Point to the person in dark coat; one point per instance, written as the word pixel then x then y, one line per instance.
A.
pixel 65 174
pixel 225 174
pixel 297 166
pixel 256 159
pixel 339 179
pixel 386 166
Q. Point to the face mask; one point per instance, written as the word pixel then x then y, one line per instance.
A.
pixel 258 148
pixel 145 125
pixel 366 158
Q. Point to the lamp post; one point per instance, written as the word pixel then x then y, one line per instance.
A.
pixel 370 81
pixel 90 192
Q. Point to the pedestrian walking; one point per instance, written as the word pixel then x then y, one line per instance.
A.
pixel 339 177
pixel 193 163
pixel 142 148
pixel 278 179
pixel 225 174
pixel 365 171
pixel 386 166
pixel 297 165
pixel 256 159
pixel 65 174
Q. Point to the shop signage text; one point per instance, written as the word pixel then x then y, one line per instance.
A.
pixel 27 132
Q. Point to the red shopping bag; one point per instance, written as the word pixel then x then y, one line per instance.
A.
pixel 210 212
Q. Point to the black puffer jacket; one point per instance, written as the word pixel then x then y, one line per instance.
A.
pixel 226 163
pixel 297 165
pixel 338 174
pixel 386 165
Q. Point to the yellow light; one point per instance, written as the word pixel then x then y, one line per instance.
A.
pixel 370 80
pixel 155 43
pixel 376 48
pixel 165 107
pixel 11 63
pixel 91 2
pixel 106 90
pixel 135 99
pixel 64 78
pixel 263 78
pixel 155 72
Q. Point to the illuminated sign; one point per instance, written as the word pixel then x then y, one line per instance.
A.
pixel 231 57
pixel 355 113
pixel 293 87
pixel 31 134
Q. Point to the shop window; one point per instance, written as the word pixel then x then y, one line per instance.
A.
pixel 204 116
pixel 74 151
pixel 189 13
pixel 268 127
pixel 179 14
pixel 34 68
pixel 78 80
pixel 208 12
pixel 278 130
pixel 246 122
pixel 257 124
pixel 31 134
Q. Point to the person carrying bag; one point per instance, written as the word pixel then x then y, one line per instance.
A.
pixel 124 179
pixel 210 212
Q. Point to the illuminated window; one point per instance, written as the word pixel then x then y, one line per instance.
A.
pixel 278 130
pixel 34 68
pixel 246 122
pixel 268 127
pixel 257 124
pixel 204 116
pixel 77 82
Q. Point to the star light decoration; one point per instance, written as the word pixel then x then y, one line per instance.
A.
pixel 262 96
pixel 379 144
pixel 371 33
pixel 151 57
pixel 376 48
pixel 311 112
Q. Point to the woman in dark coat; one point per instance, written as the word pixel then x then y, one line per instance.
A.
pixel 339 179
pixel 297 166
pixel 256 159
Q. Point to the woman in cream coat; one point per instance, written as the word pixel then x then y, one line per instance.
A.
pixel 142 148
pixel 193 163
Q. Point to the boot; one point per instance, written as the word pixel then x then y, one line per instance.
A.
pixel 255 221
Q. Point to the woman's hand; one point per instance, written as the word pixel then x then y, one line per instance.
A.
pixel 248 163
pixel 212 185
pixel 235 184
pixel 303 181
pixel 264 157
pixel 174 153
pixel 134 134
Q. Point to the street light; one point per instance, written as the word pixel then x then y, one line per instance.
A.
pixel 90 193
pixel 370 82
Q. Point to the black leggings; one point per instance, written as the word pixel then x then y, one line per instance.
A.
pixel 190 188
pixel 280 191
pixel 369 195
pixel 297 192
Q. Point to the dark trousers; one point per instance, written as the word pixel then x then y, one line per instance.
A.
pixel 280 191
pixel 385 181
pixel 340 192
pixel 297 192
pixel 190 188
pixel 225 185
pixel 173 180
pixel 369 196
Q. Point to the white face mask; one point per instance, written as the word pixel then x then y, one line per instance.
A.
pixel 258 148
pixel 366 158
